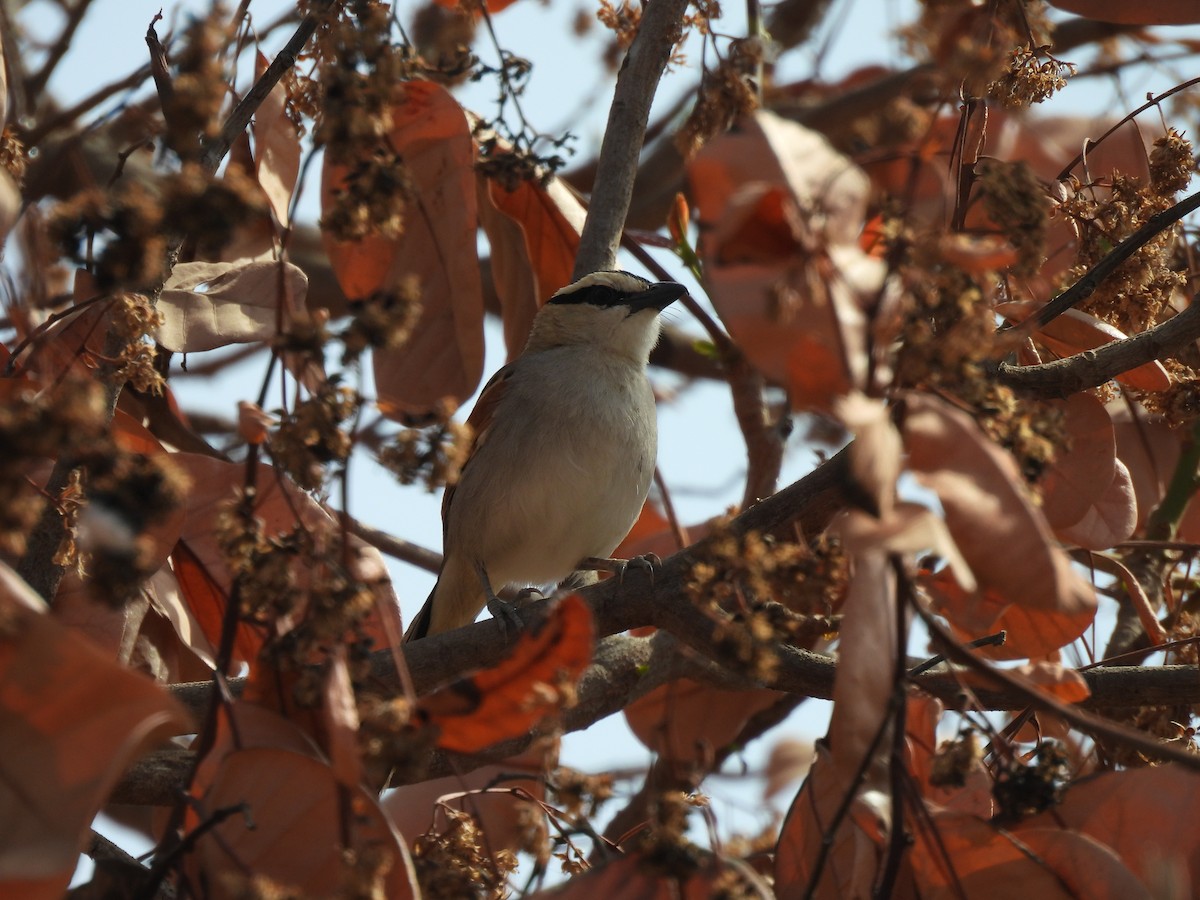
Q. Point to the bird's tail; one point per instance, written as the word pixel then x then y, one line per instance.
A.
pixel 419 626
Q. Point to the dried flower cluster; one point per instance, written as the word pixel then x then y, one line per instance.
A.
pixel 127 225
pixel 359 69
pixel 1026 80
pixel 193 105
pixel 1025 790
pixel 434 455
pixel 1137 295
pixel 726 92
pixel 382 321
pixel 310 436
pixel 453 862
pixel 36 425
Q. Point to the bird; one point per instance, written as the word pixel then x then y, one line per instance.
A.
pixel 565 443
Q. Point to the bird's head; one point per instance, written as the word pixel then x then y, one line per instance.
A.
pixel 615 311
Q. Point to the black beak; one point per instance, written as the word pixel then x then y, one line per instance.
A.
pixel 657 297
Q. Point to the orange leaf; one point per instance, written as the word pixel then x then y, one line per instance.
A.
pixel 1083 471
pixel 444 356
pixel 510 698
pixel 550 219
pixel 1056 680
pixel 1128 812
pixel 959 855
pixel 685 722
pixel 71 721
pixel 851 855
pixel 780 215
pixel 1030 632
pixel 638 877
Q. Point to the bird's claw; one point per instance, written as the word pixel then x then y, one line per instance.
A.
pixel 505 614
pixel 651 562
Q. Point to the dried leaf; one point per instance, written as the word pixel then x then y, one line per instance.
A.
pixel 240 303
pixel 1125 811
pixel 1074 332
pixel 780 216
pixel 877 449
pixel 276 147
pixel 550 219
pixel 71 721
pixel 1001 534
pixel 1111 519
pixel 989 863
pixel 684 722
pixel 444 356
pixel 851 857
pixel 292 829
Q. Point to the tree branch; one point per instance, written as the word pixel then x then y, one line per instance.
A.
pixel 625 668
pixel 623 136
pixel 1092 368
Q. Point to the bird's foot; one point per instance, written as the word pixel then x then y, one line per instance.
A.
pixel 505 613
pixel 618 567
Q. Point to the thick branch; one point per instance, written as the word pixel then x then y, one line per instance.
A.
pixel 1092 368
pixel 623 136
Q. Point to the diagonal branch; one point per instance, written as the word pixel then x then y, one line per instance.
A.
pixel 624 133
pixel 1092 368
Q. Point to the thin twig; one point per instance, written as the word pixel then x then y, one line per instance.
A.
pixel 285 60
pixel 1094 277
pixel 36 83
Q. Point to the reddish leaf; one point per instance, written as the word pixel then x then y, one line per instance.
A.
pixel 684 722
pixel 971 858
pixel 550 218
pixel 1111 519
pixel 636 877
pixel 292 832
pixel 865 680
pixel 71 721
pixel 1128 812
pixel 494 6
pixel 1145 12
pixel 850 854
pixel 1149 449
pixel 1002 535
pixel 510 698
pixel 1083 471
pixel 877 449
pixel 205 601
pixel 780 217
pixel 444 356
pixel 276 146
pixel 1030 632
pixel 1054 679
